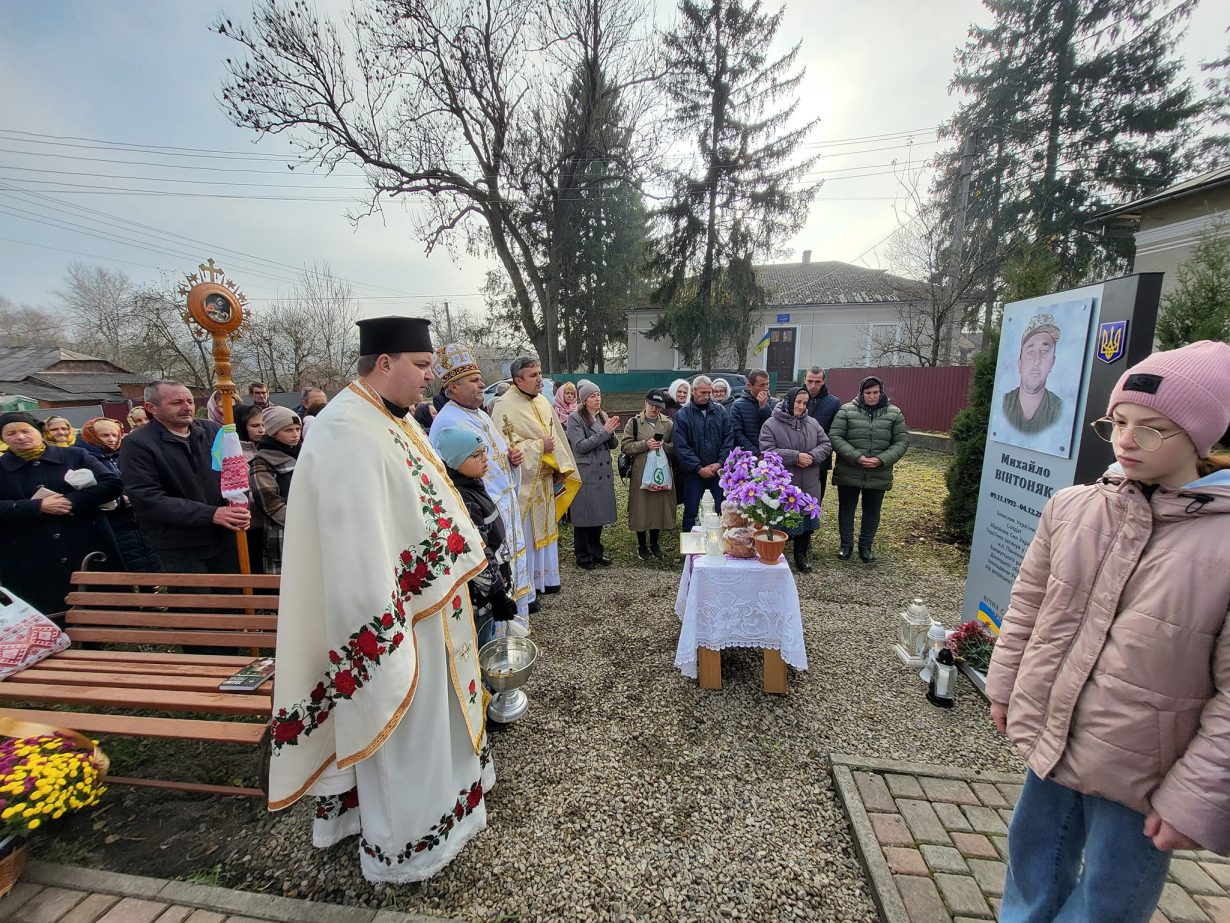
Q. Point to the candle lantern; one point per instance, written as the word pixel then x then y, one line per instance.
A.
pixel 912 629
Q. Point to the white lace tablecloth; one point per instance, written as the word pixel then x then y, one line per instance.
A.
pixel 738 603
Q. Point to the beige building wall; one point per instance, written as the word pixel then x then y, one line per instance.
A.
pixel 833 336
pixel 1169 232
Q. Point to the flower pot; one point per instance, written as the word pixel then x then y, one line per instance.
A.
pixel 770 544
pixel 12 862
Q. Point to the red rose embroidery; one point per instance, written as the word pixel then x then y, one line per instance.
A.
pixel 319 692
pixel 386 620
pixel 367 643
pixel 472 687
pixel 457 602
pixel 420 846
pixel 351 799
pixel 475 796
pixel 406 558
pixel 344 683
pixel 287 731
pixel 426 481
pixel 444 523
pixel 322 717
pixel 459 812
pixel 398 639
pixel 456 544
pixel 335 657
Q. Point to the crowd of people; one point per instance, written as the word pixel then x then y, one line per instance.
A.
pixel 399 506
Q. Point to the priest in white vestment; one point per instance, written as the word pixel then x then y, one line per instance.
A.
pixel 379 712
pixel 549 477
pixel 462 381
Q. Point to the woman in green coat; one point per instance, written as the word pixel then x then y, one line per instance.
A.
pixel 869 437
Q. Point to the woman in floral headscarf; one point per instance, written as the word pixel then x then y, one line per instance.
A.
pixel 101 437
pixel 565 401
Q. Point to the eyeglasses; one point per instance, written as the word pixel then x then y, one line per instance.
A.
pixel 1146 437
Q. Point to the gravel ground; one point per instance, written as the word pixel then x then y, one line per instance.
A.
pixel 629 793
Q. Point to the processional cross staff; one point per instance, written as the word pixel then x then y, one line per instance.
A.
pixel 215 305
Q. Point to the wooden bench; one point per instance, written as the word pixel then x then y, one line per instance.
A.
pixel 227 611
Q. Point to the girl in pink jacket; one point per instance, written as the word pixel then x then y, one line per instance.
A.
pixel 1112 671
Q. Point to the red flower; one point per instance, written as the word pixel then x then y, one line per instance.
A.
pixel 322 716
pixel 472 687
pixel 426 480
pixel 368 643
pixel 344 683
pixel 458 811
pixel 420 845
pixel 351 798
pixel 406 558
pixel 398 639
pixel 335 657
pixel 475 796
pixel 443 523
pixel 386 620
pixel 285 732
pixel 319 692
pixel 456 544
pixel 457 602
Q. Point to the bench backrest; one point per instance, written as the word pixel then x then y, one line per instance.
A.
pixel 210 610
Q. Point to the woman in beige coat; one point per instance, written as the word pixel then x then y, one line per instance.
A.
pixel 649 511
pixel 1112 670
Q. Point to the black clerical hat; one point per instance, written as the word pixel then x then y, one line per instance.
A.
pixel 394 335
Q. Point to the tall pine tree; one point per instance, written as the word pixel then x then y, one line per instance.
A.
pixel 1075 104
pixel 746 191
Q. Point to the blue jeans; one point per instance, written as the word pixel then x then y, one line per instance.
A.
pixel 1053 829
pixel 694 487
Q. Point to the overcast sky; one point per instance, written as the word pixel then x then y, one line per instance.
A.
pixel 148 73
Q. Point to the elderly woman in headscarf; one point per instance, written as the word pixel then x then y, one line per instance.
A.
pixel 565 401
pixel 677 398
pixel 58 431
pixel 804 448
pixel 101 437
pixel 721 392
pixel 47 525
pixel 137 417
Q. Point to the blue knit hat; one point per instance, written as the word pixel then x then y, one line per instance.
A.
pixel 456 444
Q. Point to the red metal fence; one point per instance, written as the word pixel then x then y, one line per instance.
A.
pixel 929 397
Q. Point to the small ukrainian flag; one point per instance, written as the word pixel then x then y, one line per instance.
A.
pixel 763 344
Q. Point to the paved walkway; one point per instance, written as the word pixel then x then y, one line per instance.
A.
pixel 933 841
pixel 50 893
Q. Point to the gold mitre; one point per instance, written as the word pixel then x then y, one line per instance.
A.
pixel 453 361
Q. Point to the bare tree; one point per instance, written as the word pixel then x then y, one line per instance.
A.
pixel 26 325
pixel 165 346
pixel 306 338
pixel 96 305
pixel 951 279
pixel 436 100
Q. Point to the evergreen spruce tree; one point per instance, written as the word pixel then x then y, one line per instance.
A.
pixel 745 193
pixel 1199 307
pixel 1075 104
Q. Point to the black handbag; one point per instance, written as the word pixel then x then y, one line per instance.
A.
pixel 626 460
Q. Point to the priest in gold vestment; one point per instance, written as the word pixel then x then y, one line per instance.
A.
pixel 549 478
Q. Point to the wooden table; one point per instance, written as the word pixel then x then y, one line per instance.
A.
pixel 738 603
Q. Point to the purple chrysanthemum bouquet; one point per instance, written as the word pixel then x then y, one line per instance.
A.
pixel 764 492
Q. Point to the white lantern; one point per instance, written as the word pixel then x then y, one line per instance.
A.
pixel 912 635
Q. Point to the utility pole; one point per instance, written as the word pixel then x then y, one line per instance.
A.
pixel 957 246
pixel 448 321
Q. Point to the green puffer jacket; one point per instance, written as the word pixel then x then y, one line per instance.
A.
pixel 877 432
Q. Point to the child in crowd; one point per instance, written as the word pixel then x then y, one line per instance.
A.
pixel 465 460
pixel 1112 670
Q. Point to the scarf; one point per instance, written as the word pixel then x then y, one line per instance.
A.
pixel 268 442
pixel 90 436
pixel 30 454
pixel 72 434
pixel 564 408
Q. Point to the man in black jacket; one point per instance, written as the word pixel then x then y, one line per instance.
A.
pixel 750 410
pixel 703 440
pixel 176 495
pixel 822 407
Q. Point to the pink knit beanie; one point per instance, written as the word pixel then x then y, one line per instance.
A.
pixel 1190 385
